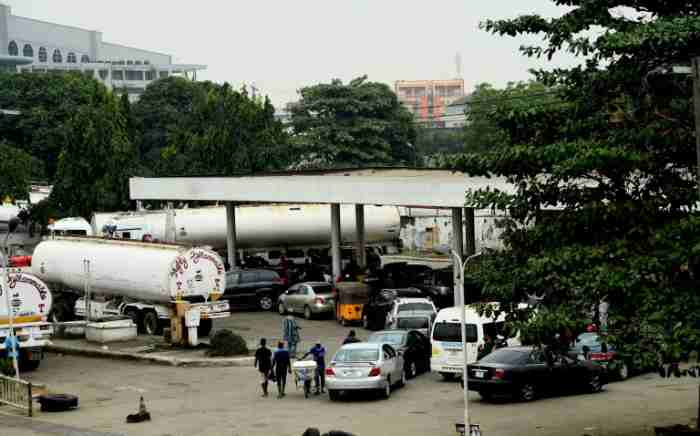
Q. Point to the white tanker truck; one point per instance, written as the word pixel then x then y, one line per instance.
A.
pixel 31 302
pixel 257 227
pixel 136 279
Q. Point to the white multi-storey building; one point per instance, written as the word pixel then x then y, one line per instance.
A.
pixel 40 46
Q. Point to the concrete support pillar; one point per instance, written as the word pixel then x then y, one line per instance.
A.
pixel 335 241
pixel 469 232
pixel 231 234
pixel 360 231
pixel 5 12
pixel 457 245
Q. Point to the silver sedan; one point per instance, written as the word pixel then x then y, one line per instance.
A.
pixel 309 298
pixel 365 367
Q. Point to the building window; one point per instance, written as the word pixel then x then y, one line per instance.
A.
pixel 117 75
pixel 104 74
pixel 130 62
pixel 57 57
pixel 28 51
pixel 71 58
pixel 134 75
pixel 163 74
pixel 150 75
pixel 85 59
pixel 42 54
pixel 12 49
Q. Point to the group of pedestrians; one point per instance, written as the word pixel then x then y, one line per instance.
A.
pixel 275 366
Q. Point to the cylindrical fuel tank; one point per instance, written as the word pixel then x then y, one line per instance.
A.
pixel 143 271
pixel 30 298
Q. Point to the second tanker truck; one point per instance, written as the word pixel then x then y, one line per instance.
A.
pixel 137 279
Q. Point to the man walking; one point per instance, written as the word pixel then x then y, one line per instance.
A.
pixel 290 333
pixel 281 365
pixel 263 361
pixel 319 353
pixel 351 338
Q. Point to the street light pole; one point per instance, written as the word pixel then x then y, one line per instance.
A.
pixel 460 299
pixel 11 225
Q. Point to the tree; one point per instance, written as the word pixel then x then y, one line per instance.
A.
pixel 227 133
pixel 355 124
pixel 16 170
pixel 605 201
pixel 96 162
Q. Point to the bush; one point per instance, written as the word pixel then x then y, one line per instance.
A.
pixel 227 343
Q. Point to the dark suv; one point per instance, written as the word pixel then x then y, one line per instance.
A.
pixel 253 287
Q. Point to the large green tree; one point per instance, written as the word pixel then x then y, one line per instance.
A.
pixel 226 133
pixel 16 170
pixel 605 201
pixel 359 123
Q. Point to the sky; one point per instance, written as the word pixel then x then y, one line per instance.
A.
pixel 282 46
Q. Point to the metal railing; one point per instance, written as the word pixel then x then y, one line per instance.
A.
pixel 16 393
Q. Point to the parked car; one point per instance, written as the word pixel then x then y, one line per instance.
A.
pixel 365 367
pixel 253 287
pixel 309 298
pixel 380 304
pixel 401 274
pixel 438 285
pixel 412 345
pixel 526 374
pixel 588 346
pixel 410 307
pixel 411 321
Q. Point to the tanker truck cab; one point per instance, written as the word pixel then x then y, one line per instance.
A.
pixel 31 302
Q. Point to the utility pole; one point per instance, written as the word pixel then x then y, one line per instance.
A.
pixel 696 103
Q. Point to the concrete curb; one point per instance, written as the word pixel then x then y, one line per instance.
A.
pixel 212 362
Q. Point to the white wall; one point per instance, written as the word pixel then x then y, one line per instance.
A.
pixel 48 35
pixel 117 52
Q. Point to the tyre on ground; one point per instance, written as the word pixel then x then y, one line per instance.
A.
pixel 205 327
pixel 447 376
pixel 265 301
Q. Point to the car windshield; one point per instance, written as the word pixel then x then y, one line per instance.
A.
pixel 393 338
pixel 357 355
pixel 451 332
pixel 405 307
pixel 506 356
pixel 413 323
pixel 321 289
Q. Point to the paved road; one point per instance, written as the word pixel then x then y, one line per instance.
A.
pixel 226 401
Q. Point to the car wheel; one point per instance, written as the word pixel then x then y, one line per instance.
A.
pixel 402 383
pixel 281 309
pixel 386 392
pixel 623 371
pixel 527 392
pixel 447 376
pixel 594 383
pixel 411 369
pixel 333 395
pixel 365 322
pixel 265 302
pixel 486 396
pixel 307 312
pixel 151 323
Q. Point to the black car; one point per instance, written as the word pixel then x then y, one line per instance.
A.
pixel 380 303
pixel 439 285
pixel 401 274
pixel 526 373
pixel 412 344
pixel 253 287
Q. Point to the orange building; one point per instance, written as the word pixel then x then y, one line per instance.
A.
pixel 428 99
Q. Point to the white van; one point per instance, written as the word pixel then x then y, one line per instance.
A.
pixel 445 338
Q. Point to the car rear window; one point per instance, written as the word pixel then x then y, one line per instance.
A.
pixel 412 323
pixel 357 355
pixel 415 306
pixel 268 276
pixel 506 356
pixel 451 332
pixel 394 338
pixel 321 289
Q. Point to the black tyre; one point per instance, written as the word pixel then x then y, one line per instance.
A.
pixel 333 395
pixel 527 392
pixel 307 312
pixel 411 369
pixel 307 389
pixel 151 323
pixel 622 372
pixel 28 365
pixel 136 318
pixel 595 384
pixel 386 392
pixel 61 312
pixel 485 395
pixel 205 327
pixel 447 376
pixel 265 302
pixel 58 402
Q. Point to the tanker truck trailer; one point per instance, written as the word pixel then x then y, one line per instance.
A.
pixel 141 280
pixel 30 302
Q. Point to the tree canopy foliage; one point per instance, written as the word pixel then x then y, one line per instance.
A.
pixel 359 123
pixel 604 207
pixel 16 168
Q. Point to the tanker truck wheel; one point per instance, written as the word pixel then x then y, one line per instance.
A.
pixel 151 323
pixel 205 326
pixel 61 311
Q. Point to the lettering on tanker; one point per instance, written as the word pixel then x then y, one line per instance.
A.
pixel 196 255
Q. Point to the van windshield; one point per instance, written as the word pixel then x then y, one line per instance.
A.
pixel 413 323
pixel 451 332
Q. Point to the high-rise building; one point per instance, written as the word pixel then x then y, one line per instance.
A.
pixel 428 99
pixel 30 45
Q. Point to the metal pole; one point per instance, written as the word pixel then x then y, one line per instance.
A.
pixel 231 234
pixel 696 103
pixel 360 231
pixel 335 241
pixel 10 315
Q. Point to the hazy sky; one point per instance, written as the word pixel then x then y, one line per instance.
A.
pixel 281 46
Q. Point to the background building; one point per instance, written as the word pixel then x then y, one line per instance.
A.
pixel 428 99
pixel 50 47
